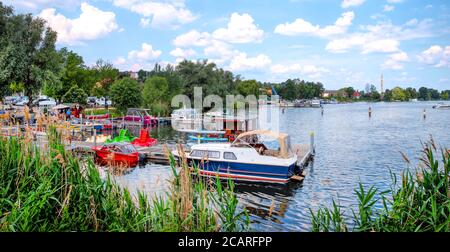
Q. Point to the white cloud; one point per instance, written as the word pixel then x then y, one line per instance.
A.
pixel 145 54
pixel 241 62
pixel 182 53
pixel 310 70
pixel 349 3
pixel 300 26
pixel 240 29
pixel 120 61
pixel 92 24
pixel 388 8
pixel 382 37
pixel 436 55
pixel 394 61
pixel 163 14
pixel 145 22
pixel 192 38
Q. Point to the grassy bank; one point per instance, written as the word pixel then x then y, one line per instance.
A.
pixel 420 203
pixel 51 190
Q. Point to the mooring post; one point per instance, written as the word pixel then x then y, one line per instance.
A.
pixel 95 137
pixel 312 148
pixel 81 122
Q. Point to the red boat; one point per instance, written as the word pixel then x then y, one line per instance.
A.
pixel 123 154
pixel 144 139
pixel 97 117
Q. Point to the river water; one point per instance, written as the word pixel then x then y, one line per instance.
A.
pixel 351 147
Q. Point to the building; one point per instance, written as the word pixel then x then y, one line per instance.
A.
pixel 133 75
pixel 356 95
pixel 330 93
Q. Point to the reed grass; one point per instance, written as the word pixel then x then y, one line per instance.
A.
pixel 421 203
pixel 49 190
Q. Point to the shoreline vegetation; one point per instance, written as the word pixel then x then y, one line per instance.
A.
pixel 420 202
pixel 27 46
pixel 48 190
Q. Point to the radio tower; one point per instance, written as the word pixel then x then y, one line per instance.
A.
pixel 382 87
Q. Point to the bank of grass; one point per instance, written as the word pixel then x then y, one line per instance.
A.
pixel 101 111
pixel 420 203
pixel 51 190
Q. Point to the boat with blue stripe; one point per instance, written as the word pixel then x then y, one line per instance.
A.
pixel 256 156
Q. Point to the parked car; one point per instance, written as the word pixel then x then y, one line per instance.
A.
pixel 44 101
pixel 22 101
pixel 101 102
pixel 10 100
pixel 91 100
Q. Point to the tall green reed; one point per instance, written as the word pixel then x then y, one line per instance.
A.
pixel 420 203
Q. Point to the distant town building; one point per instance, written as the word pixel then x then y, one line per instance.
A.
pixel 356 95
pixel 133 75
pixel 330 93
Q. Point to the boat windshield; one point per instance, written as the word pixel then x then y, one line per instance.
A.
pixel 266 144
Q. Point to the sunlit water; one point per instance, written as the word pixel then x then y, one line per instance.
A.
pixel 350 148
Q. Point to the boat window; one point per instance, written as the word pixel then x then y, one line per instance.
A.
pixel 205 154
pixel 229 155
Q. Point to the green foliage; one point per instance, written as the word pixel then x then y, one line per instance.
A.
pixel 52 191
pixel 293 89
pixel 427 94
pixel 27 52
pixel 420 204
pixel 248 87
pixel 126 93
pixel 398 94
pixel 75 95
pixel 155 93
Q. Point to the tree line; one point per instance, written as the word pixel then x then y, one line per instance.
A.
pixel 31 64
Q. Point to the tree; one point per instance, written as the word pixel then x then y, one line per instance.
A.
pixel 445 95
pixel 126 93
pixel 399 94
pixel 423 94
pixel 75 95
pixel 411 93
pixel 102 75
pixel 155 94
pixel 248 87
pixel 27 52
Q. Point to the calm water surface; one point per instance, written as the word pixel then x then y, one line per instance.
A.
pixel 350 148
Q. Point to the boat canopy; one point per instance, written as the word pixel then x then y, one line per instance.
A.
pixel 282 138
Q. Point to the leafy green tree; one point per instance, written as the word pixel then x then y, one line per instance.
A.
pixel 75 95
pixel 423 94
pixel 27 51
pixel 102 75
pixel 155 94
pixel 445 95
pixel 399 94
pixel 248 87
pixel 126 93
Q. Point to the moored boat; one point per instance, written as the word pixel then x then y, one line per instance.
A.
pixel 123 154
pixel 256 156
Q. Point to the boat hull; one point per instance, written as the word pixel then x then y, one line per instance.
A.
pixel 117 159
pixel 245 171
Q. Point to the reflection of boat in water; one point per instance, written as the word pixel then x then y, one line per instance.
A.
pixel 441 106
pixel 256 156
pixel 123 154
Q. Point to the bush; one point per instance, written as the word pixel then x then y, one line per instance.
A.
pixel 75 95
pixel 126 93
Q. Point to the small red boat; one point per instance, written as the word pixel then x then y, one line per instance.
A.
pixel 97 117
pixel 124 154
pixel 144 139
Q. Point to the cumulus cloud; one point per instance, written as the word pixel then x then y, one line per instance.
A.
pixel 192 38
pixel 145 54
pixel 350 3
pixel 388 8
pixel 240 29
pixel 91 24
pixel 436 56
pixel 302 27
pixel 241 62
pixel 382 37
pixel 182 53
pixel 310 70
pixel 163 14
pixel 395 61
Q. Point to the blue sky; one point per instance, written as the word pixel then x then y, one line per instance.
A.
pixel 338 42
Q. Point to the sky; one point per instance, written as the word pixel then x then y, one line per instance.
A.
pixel 337 42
